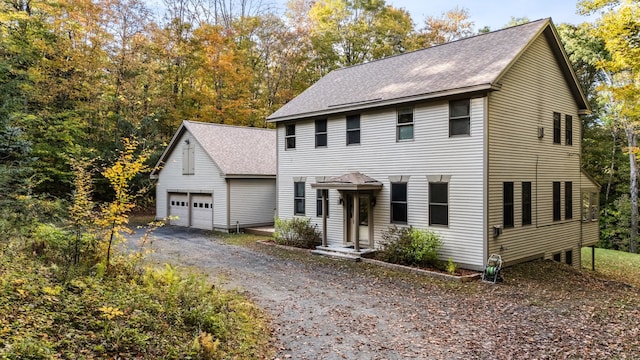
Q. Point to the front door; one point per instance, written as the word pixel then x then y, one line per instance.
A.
pixel 363 228
pixel 363 201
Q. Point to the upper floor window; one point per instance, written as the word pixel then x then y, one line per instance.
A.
pixel 568 130
pixel 353 129
pixel 556 201
pixel 459 117
pixel 438 203
pixel 298 198
pixel 321 133
pixel 507 204
pixel 556 128
pixel 568 200
pixel 405 124
pixel 290 137
pixel 188 158
pixel 399 203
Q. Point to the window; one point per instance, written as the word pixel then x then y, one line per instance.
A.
pixel 526 203
pixel 319 202
pixel 568 257
pixel 568 200
pixel 438 203
pixel 556 128
pixel 290 137
pixel 405 124
pixel 590 206
pixel 399 203
pixel 459 118
pixel 353 129
pixel 298 198
pixel 188 158
pixel 557 257
pixel 321 133
pixel 556 201
pixel 568 130
pixel 507 204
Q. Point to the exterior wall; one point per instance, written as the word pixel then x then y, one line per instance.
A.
pixel 253 202
pixel 431 152
pixel 531 91
pixel 206 179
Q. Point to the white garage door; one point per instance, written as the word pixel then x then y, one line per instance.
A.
pixel 179 209
pixel 202 211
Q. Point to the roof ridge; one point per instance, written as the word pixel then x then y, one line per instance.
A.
pixel 443 44
pixel 226 125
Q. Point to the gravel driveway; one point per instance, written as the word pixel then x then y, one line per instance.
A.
pixel 331 309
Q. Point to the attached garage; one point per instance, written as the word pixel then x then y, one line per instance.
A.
pixel 217 177
pixel 178 209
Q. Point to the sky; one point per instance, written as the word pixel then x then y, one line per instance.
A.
pixel 495 14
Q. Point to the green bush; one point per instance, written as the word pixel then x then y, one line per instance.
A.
pixel 410 246
pixel 297 232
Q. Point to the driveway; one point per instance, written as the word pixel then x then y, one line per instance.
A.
pixel 333 309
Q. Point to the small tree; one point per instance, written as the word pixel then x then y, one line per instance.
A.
pixel 115 215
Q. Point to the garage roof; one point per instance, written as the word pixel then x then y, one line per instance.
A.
pixel 238 151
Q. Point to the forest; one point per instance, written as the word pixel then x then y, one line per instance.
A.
pixel 84 81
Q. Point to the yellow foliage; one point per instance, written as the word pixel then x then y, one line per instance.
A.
pixel 207 347
pixel 110 313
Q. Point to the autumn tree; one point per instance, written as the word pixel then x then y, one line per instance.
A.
pixel 619 29
pixel 452 25
pixel 346 33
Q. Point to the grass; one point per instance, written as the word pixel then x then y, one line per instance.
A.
pixel 614 265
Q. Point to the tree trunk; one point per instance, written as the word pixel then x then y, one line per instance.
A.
pixel 632 142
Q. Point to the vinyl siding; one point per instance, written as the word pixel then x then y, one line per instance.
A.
pixel 206 179
pixel 253 201
pixel 380 156
pixel 532 90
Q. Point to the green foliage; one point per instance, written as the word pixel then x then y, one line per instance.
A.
pixel 410 246
pixel 617 217
pixel 297 232
pixel 159 313
pixel 451 266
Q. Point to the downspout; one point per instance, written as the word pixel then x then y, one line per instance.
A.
pixel 228 181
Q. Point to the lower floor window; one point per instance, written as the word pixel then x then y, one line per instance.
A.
pixel 438 203
pixel 319 202
pixel 298 198
pixel 399 203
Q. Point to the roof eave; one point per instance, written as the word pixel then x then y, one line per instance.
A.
pixel 346 186
pixel 155 173
pixel 388 102
pixel 249 176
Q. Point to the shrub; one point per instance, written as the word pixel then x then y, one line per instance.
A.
pixel 297 232
pixel 410 246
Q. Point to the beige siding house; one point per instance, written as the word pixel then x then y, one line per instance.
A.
pixel 219 177
pixel 477 139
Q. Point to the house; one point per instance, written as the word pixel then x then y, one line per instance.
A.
pixel 219 177
pixel 477 139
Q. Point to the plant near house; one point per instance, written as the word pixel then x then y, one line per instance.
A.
pixel 410 246
pixel 451 267
pixel 296 232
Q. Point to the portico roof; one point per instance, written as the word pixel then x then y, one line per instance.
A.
pixel 349 181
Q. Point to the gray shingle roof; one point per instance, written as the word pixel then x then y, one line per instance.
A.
pixel 461 66
pixel 237 150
